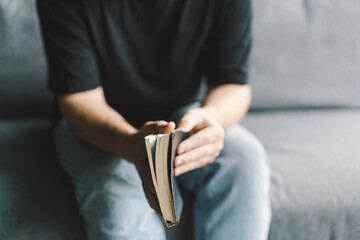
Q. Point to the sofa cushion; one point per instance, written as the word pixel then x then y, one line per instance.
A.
pixel 22 61
pixel 36 200
pixel 305 53
pixel 315 163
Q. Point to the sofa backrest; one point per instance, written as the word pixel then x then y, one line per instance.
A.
pixel 306 53
pixel 22 61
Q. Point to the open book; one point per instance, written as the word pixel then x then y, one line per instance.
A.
pixel 161 151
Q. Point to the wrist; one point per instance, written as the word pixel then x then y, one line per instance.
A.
pixel 210 110
pixel 125 143
pixel 213 112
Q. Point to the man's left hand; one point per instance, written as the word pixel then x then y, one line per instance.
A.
pixel 204 144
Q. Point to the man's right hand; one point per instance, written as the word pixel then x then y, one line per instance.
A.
pixel 94 121
pixel 137 155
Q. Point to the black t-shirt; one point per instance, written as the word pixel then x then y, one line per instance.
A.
pixel 148 55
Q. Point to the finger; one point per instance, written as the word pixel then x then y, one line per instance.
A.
pixel 151 186
pixel 192 165
pixel 152 200
pixel 147 181
pixel 189 121
pixel 152 127
pixel 145 174
pixel 205 136
pixel 209 150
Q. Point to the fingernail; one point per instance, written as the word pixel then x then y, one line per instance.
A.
pixel 181 149
pixel 178 162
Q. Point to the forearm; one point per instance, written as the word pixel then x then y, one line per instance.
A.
pixel 228 103
pixel 95 122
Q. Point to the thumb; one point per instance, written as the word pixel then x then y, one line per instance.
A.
pixel 164 127
pixel 187 122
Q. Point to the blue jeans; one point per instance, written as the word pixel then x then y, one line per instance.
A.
pixel 231 194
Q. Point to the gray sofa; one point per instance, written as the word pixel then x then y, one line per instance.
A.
pixel 305 73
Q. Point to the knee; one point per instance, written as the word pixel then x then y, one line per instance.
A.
pixel 245 161
pixel 242 174
pixel 114 210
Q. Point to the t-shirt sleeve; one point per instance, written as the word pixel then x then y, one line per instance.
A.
pixel 226 52
pixel 72 65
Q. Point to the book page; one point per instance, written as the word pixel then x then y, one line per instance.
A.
pixel 150 144
pixel 161 169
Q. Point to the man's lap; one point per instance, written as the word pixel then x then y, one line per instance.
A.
pixel 232 192
pixel 109 189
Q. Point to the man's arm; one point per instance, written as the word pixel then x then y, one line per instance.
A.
pixel 228 103
pixel 224 105
pixel 225 60
pixel 99 125
pixel 95 122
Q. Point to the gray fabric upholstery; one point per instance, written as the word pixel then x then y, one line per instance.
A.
pixel 315 163
pixel 305 53
pixel 22 62
pixel 36 200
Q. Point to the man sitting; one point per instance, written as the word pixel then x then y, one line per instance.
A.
pixel 123 69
